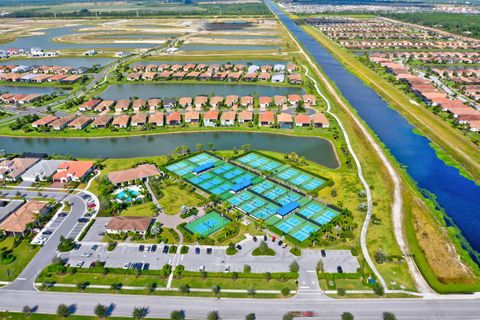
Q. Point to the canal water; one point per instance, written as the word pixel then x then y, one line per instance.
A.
pixel 29 90
pixel 459 196
pixel 176 90
pixel 314 149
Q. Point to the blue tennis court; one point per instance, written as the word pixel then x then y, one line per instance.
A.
pixel 300 235
pixel 208 224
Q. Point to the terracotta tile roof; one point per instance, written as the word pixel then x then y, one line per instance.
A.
pixel 285 118
pixel 44 120
pixel 27 213
pixel 267 116
pixel 211 115
pixel 192 115
pixel 138 118
pixel 154 102
pixel 245 115
pixel 156 118
pixel 302 119
pixel 320 118
pixel 121 120
pixel 265 100
pixel 228 116
pixel 76 169
pixel 185 101
pixel 102 120
pixel 126 224
pixel 140 172
pixel 174 116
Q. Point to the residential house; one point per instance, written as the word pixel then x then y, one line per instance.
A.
pixel 41 170
pixel 210 118
pixel 231 100
pixel 265 102
pixel 154 104
pixel 264 76
pixel 279 100
pixel 11 170
pixel 302 120
pixel 294 99
pixel 278 78
pixel 73 171
pixel 102 121
pixel 80 123
pixel 245 116
pixel 138 120
pixel 138 105
pixel 61 122
pixel 192 117
pixel 266 119
pixel 156 119
pixel 309 99
pixel 185 102
pixel 246 101
pixel 250 77
pixel 104 105
pixel 133 76
pixel 121 121
pixel 174 119
pixel 44 121
pixel 320 120
pixel 285 121
pixel 26 215
pixel 200 101
pixel 279 68
pixel 295 79
pixel 122 105
pixel 169 103
pixel 216 101
pixel 228 118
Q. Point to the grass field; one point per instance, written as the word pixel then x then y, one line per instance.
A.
pixel 24 252
pixel 139 210
pixel 258 284
pixel 174 198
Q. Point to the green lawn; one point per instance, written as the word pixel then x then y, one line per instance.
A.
pixel 100 279
pixel 139 210
pixel 174 198
pixel 24 252
pixel 243 283
pixel 38 316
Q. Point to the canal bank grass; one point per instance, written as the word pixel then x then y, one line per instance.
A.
pixel 23 253
pixel 241 283
pixel 174 198
pixel 455 144
pixel 435 223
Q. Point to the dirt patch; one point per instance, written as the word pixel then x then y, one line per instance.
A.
pixel 438 249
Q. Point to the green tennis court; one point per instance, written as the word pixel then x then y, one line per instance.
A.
pixel 208 224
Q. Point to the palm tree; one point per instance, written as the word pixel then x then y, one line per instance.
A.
pixel 101 311
pixel 389 316
pixel 63 311
pixel 139 313
pixel 250 316
pixel 347 316
pixel 216 290
pixel 27 311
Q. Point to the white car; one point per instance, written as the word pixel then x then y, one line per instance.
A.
pixel 86 254
pixel 227 269
pixel 147 249
pixel 201 269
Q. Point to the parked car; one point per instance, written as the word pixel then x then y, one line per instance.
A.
pixel 86 254
pixel 209 250
pixel 339 269
pixel 280 242
pixel 147 249
pixel 227 269
pixel 146 266
pixel 201 269
pixel 265 238
pixel 141 248
pixel 324 254
pixel 154 248
pixel 62 214
pixel 77 246
pixel 239 247
pixel 165 249
pixel 47 232
pixel 94 247
pixel 82 220
pixel 197 250
pixel 254 239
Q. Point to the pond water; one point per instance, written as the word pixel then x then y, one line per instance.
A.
pixel 44 41
pixel 29 90
pixel 73 62
pixel 458 195
pixel 207 47
pixel 314 149
pixel 144 91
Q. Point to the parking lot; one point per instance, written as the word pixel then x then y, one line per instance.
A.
pixel 211 259
pixel 97 230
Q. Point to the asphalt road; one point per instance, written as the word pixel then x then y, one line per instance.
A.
pixel 197 308
pixel 44 257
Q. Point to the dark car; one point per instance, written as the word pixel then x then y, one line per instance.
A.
pixel 254 239
pixel 141 248
pixel 47 232
pixel 265 238
pixel 82 220
pixel 197 250
pixel 324 254
pixel 62 214
pixel 280 242
pixel 146 266
pixel 339 269
pixel 239 247
pixel 165 249
pixel 209 250
pixel 77 246
pixel 154 248
pixel 94 247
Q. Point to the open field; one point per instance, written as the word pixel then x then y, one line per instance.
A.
pixel 174 198
pixel 24 252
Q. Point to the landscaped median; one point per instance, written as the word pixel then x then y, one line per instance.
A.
pixel 98 279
